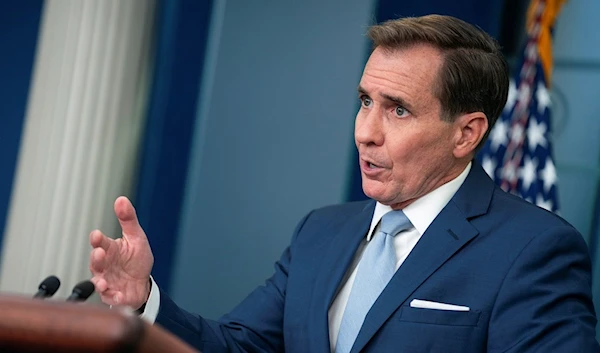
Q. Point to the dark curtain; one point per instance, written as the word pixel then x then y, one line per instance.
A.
pixel 19 27
pixel 182 31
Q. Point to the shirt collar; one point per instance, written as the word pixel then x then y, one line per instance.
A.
pixel 425 209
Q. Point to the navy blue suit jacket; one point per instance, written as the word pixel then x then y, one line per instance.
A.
pixel 523 272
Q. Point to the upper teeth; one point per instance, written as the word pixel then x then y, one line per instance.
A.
pixel 372 165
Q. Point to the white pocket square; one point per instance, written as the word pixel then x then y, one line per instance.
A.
pixel 426 304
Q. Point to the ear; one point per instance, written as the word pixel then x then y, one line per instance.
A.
pixel 470 129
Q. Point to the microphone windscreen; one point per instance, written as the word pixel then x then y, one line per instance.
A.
pixel 84 289
pixel 49 286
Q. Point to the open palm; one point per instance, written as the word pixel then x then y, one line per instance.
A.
pixel 121 267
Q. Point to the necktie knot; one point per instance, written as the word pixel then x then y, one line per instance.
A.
pixel 394 222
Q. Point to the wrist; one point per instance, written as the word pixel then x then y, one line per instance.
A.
pixel 148 290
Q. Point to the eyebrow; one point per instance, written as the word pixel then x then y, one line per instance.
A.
pixel 396 100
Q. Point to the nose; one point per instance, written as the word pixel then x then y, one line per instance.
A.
pixel 368 128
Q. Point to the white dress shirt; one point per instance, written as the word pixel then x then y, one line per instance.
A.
pixel 421 214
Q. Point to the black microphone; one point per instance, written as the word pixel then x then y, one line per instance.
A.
pixel 81 291
pixel 48 287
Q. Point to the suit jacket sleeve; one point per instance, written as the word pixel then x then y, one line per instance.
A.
pixel 255 325
pixel 545 302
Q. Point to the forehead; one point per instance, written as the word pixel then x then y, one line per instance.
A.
pixel 408 72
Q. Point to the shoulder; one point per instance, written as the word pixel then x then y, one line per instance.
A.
pixel 331 219
pixel 512 225
pixel 524 215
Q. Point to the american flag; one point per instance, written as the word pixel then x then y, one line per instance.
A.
pixel 518 153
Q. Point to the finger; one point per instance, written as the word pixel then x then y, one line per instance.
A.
pixel 108 297
pixel 99 284
pixel 99 240
pixel 97 261
pixel 117 298
pixel 127 217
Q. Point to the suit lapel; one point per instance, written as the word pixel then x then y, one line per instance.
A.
pixel 436 246
pixel 448 233
pixel 337 258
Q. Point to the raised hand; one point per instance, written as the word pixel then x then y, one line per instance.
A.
pixel 121 267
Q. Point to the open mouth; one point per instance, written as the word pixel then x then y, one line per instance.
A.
pixel 370 165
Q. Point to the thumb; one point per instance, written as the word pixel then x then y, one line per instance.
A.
pixel 127 218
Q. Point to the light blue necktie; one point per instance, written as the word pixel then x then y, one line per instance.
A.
pixel 375 269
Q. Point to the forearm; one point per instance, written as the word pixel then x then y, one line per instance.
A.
pixel 202 334
pixel 254 326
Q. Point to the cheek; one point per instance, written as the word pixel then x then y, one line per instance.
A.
pixel 407 150
pixel 418 155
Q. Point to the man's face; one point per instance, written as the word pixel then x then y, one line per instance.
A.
pixel 405 149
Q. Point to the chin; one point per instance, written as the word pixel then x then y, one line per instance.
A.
pixel 379 193
pixel 373 191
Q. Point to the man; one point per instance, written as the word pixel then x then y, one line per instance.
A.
pixel 440 260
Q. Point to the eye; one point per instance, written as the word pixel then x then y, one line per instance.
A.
pixel 401 111
pixel 365 101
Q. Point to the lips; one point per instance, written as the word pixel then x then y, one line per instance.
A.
pixel 371 168
pixel 371 163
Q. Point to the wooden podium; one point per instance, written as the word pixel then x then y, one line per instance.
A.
pixel 32 325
